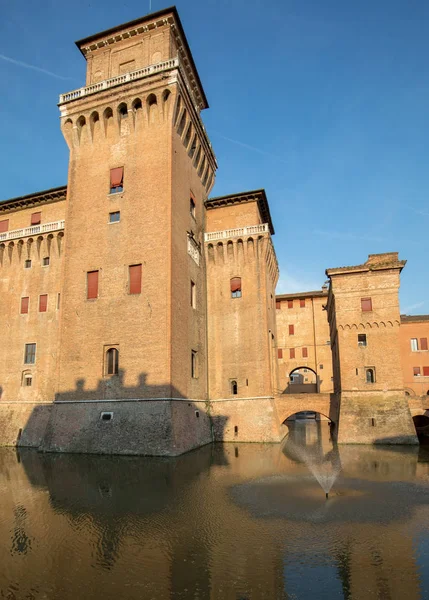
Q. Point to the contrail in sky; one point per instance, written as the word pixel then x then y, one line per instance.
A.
pixel 33 67
pixel 250 147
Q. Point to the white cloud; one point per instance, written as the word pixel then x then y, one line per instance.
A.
pixel 412 307
pixel 288 284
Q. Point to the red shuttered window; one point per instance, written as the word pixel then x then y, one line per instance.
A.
pixel 116 180
pixel 24 305
pixel 278 304
pixel 43 303
pixel 92 285
pixel 4 225
pixel 366 304
pixel 423 343
pixel 290 303
pixel 302 303
pixel 304 353
pixel 135 279
pixel 291 329
pixel 416 371
pixel 426 371
pixel 291 352
pixel 36 218
pixel 235 284
pixel 279 352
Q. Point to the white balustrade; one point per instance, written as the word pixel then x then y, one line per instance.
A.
pixel 33 230
pixel 108 83
pixel 237 232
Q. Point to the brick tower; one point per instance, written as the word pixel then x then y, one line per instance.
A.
pixel 242 273
pixel 133 323
pixel 364 318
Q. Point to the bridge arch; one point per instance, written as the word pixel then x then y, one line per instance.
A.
pixel 303 380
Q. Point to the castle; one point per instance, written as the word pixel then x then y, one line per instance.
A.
pixel 140 315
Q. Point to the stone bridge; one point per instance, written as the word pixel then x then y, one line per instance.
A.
pixel 289 404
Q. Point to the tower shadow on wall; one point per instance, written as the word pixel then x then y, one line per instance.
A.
pixel 182 419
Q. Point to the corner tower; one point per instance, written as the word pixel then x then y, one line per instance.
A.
pixel 140 169
pixel 364 319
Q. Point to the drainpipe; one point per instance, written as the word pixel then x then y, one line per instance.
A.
pixel 315 349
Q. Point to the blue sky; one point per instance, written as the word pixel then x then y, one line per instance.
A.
pixel 324 104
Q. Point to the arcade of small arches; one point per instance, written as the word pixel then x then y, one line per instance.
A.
pixel 43 245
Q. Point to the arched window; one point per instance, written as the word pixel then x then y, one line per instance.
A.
pixel 370 375
pixel 112 361
pixel 234 387
pixel 27 379
pixel 236 287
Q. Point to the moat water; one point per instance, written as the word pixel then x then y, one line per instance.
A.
pixel 227 522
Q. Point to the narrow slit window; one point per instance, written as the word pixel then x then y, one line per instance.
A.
pixel 24 305
pixel 236 287
pixel 116 180
pixel 135 279
pixel 112 361
pixel 30 354
pixel 92 285
pixel 234 387
pixel 366 304
pixel 43 302
pixel 194 364
pixel 291 329
pixel 192 207
pixel 193 295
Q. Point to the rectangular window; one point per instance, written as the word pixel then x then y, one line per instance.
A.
pixel 290 303
pixel 194 364
pixel 58 301
pixel 30 354
pixel 366 304
pixel 291 329
pixel 423 343
pixel 235 287
pixel 416 371
pixel 414 344
pixel 291 352
pixel 46 261
pixel 114 217
pixel 43 303
pixel 278 304
pixel 36 218
pixel 135 278
pixel 304 353
pixel 193 295
pixel 361 339
pixel 27 264
pixel 279 352
pixel 116 180
pixel 92 285
pixel 302 303
pixel 426 371
pixel 192 206
pixel 24 305
pixel 4 225
pixel 27 380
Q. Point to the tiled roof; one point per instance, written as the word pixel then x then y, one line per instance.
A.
pixel 315 294
pixel 414 318
pixel 44 197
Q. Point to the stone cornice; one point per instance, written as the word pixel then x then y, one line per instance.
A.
pixel 168 16
pixel 258 196
pixel 36 199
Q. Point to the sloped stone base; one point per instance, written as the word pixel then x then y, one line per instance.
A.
pixel 23 423
pixel 375 418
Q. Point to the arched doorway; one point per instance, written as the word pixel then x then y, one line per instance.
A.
pixel 302 380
